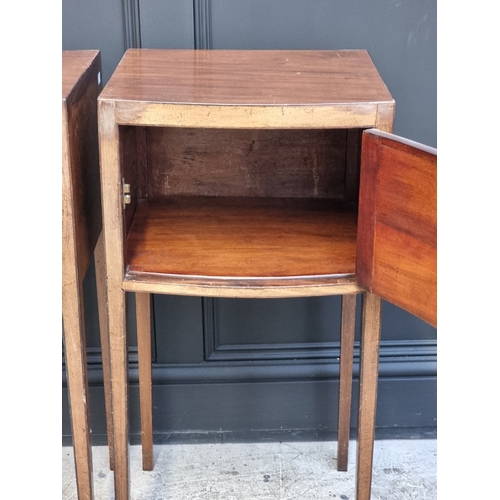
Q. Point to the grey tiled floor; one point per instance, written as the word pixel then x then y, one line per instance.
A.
pixel 403 470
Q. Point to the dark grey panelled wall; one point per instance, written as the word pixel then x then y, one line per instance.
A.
pixel 260 368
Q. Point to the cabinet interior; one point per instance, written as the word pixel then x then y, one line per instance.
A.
pixel 250 203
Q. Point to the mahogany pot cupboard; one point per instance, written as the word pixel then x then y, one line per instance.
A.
pixel 261 174
pixel 81 239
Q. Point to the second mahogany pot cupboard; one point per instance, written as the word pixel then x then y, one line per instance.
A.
pixel 261 174
pixel 81 240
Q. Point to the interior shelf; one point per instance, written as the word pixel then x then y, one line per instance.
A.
pixel 239 240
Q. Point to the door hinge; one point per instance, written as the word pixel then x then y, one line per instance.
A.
pixel 127 198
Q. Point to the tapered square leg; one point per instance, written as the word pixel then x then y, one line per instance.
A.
pixel 76 369
pixel 119 390
pixel 102 301
pixel 345 382
pixel 368 379
pixel 143 314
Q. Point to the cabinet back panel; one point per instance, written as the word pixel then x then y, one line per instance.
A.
pixel 249 162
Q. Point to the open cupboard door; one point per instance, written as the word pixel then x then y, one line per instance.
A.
pixel 397 234
pixel 395 259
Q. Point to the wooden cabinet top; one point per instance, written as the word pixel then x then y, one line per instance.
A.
pixel 247 77
pixel 75 64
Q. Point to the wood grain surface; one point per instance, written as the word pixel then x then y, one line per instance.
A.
pixel 397 237
pixel 80 90
pixel 368 386
pixel 242 239
pixel 249 89
pixel 81 227
pixel 75 65
pixel 347 330
pixel 243 77
pixel 143 318
pixel 248 162
pixel 111 181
